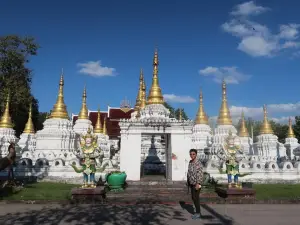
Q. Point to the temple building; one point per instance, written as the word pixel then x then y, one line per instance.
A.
pixel 144 140
pixel 112 115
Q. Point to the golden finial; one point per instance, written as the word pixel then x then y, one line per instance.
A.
pixel 155 96
pixel 29 127
pixel 266 126
pixel 180 115
pixel 104 127
pixel 6 119
pixel 243 129
pixel 98 127
pixel 201 117
pixel 84 113
pixel 224 114
pixel 290 133
pixel 140 92
pixel 60 109
pixel 143 100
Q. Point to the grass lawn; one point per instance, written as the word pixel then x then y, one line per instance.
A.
pixel 61 191
pixel 277 191
pixel 43 191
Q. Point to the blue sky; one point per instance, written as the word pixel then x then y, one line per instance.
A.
pixel 253 45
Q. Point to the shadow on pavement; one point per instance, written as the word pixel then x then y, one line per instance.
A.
pixel 213 215
pixel 96 214
pixel 225 220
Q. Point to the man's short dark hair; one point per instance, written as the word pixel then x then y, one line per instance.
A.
pixel 193 150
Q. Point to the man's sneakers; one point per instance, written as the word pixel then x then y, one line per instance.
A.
pixel 196 216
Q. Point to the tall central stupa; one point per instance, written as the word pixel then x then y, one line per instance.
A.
pixel 155 104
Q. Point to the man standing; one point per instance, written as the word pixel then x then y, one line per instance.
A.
pixel 194 180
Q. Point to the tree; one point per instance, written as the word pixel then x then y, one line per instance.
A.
pixel 280 130
pixel 177 113
pixel 172 110
pixel 16 78
pixel 174 113
pixel 296 127
pixel 41 119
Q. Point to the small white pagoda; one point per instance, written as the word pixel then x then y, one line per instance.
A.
pixel 27 140
pixel 7 133
pixel 83 122
pixel 55 142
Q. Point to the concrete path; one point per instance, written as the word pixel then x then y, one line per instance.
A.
pixel 34 214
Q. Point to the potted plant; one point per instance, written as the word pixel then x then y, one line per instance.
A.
pixel 116 180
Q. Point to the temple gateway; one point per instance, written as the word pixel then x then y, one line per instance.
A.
pixel 145 141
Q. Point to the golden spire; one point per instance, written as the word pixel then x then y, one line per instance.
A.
pixel 84 113
pixel 140 92
pixel 155 96
pixel 5 121
pixel 224 114
pixel 29 127
pixel 290 133
pixel 201 117
pixel 60 109
pixel 98 127
pixel 180 115
pixel 104 127
pixel 143 99
pixel 243 129
pixel 266 126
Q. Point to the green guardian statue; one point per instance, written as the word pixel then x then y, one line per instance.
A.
pixel 231 150
pixel 90 151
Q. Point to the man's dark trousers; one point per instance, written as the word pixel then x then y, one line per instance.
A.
pixel 196 198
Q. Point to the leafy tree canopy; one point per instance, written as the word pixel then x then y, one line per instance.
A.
pixel 174 113
pixel 16 78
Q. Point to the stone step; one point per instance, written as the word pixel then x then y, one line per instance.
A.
pixel 155 183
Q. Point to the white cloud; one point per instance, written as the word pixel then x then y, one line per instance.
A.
pixel 257 46
pixel 256 39
pixel 94 68
pixel 248 8
pixel 178 99
pixel 230 74
pixel 289 32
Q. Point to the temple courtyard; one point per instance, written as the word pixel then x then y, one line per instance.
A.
pixel 30 214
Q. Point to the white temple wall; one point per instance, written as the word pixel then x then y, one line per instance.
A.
pixel 180 146
pixel 130 155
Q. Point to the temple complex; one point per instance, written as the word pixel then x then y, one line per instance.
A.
pixel 144 140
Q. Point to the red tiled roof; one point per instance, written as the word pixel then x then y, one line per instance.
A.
pixel 117 113
pixel 112 122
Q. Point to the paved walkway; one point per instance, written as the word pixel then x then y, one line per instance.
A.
pixel 34 214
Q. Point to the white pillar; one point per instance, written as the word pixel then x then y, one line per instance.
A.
pixel 130 155
pixel 180 145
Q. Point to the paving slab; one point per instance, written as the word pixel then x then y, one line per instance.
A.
pixel 175 214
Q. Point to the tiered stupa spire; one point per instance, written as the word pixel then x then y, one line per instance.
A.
pixel 104 127
pixel 84 113
pixel 180 115
pixel 266 126
pixel 140 92
pixel 243 132
pixel 224 114
pixel 5 121
pixel 29 127
pixel 155 96
pixel 59 110
pixel 144 97
pixel 98 127
pixel 290 133
pixel 201 117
